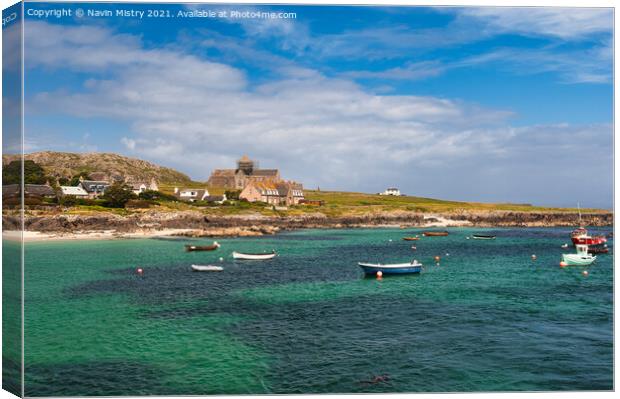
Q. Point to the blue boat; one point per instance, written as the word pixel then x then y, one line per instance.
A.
pixel 398 268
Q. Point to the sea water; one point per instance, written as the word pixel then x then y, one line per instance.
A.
pixel 487 317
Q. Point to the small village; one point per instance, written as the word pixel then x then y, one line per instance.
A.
pixel 246 182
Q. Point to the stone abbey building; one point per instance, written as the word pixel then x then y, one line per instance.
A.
pixel 264 185
pixel 246 172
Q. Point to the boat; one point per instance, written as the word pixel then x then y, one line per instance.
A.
pixel 263 256
pixel 581 258
pixel 435 233
pixel 411 238
pixel 211 247
pixel 598 249
pixel 396 268
pixel 482 237
pixel 580 236
pixel 564 245
pixel 207 268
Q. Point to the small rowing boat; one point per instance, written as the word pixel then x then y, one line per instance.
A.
pixel 212 247
pixel 435 233
pixel 396 268
pixel 411 238
pixel 263 256
pixel 483 237
pixel 207 268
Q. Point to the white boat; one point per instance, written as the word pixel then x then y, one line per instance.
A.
pixel 581 258
pixel 265 256
pixel 207 268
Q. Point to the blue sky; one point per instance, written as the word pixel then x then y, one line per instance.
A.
pixel 481 104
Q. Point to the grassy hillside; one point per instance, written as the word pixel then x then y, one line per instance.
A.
pixel 65 164
pixel 354 203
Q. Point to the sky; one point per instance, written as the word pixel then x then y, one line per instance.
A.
pixel 481 104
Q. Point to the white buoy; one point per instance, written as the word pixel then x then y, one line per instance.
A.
pixel 221 259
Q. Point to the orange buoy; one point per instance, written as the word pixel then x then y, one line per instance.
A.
pixel 379 274
pixel 585 273
pixel 437 259
pixel 140 271
pixel 563 264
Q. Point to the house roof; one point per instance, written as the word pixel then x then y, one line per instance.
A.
pixel 91 185
pixel 73 190
pixel 39 189
pixel 138 185
pixel 245 158
pixel 283 189
pixel 223 172
pixel 10 189
pixel 265 172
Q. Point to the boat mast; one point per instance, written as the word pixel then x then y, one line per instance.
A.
pixel 579 210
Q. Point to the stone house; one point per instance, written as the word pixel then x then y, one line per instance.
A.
pixel 30 190
pixel 94 188
pixel 141 186
pixel 281 193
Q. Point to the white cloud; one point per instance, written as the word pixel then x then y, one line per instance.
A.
pixel 564 23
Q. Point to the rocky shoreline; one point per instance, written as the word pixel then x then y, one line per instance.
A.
pixel 196 224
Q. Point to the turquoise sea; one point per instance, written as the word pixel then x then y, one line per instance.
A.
pixel 487 318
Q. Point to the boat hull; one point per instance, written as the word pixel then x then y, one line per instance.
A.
pixel 240 256
pixel 599 240
pixel 372 269
pixel 207 268
pixel 479 237
pixel 410 238
pixel 435 233
pixel 598 250
pixel 578 260
pixel 192 248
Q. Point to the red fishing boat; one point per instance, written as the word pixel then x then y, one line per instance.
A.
pixel 580 236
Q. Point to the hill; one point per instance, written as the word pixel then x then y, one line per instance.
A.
pixel 67 165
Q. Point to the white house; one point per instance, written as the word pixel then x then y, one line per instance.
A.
pixel 140 187
pixel 76 191
pixel 391 191
pixel 191 194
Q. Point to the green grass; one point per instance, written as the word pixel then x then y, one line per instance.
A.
pixel 354 203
